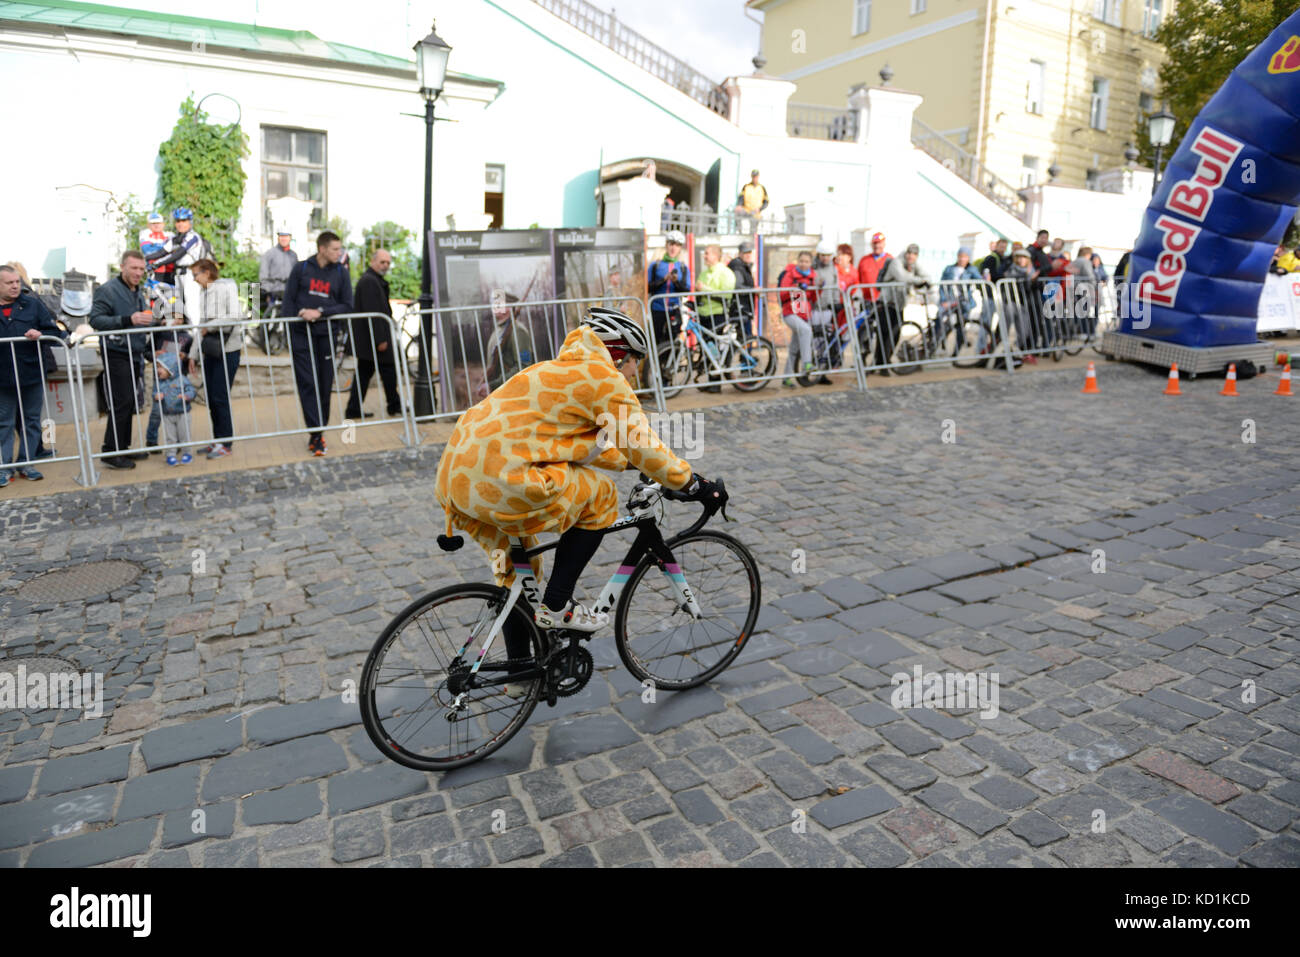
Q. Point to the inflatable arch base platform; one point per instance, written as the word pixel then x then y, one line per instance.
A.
pixel 1192 360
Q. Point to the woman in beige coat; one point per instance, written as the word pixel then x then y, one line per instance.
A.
pixel 217 349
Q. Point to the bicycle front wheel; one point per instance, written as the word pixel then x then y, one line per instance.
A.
pixel 910 350
pixel 419 704
pixel 975 346
pixel 674 367
pixel 659 640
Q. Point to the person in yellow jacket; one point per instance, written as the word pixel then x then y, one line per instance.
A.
pixel 524 460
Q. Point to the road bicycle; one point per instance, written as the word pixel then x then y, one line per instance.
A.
pixel 433 693
pixel 702 354
pixel 954 331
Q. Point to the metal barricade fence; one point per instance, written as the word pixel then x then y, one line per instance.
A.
pixel 129 353
pixel 27 422
pixel 1054 315
pixel 468 351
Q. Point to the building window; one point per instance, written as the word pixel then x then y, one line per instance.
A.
pixel 1146 106
pixel 1034 88
pixel 1100 101
pixel 861 16
pixel 1028 171
pixel 916 6
pixel 494 189
pixel 293 164
pixel 1152 14
pixel 1091 179
pixel 1110 11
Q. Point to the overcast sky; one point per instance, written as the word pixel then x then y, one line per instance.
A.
pixel 714 36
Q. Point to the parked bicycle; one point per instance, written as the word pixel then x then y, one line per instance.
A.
pixel 700 354
pixel 433 691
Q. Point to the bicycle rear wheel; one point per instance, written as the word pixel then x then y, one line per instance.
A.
pixel 910 350
pixel 674 367
pixel 660 641
pixel 756 357
pixel 976 344
pixel 416 670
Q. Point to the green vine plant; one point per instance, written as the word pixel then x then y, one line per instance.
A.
pixel 201 166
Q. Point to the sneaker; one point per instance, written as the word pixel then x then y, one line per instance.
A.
pixel 31 474
pixel 119 462
pixel 203 451
pixel 171 460
pixel 219 451
pixel 186 459
pixel 1032 360
pixel 824 380
pixel 789 384
pixel 573 617
pixel 319 450
pixel 4 479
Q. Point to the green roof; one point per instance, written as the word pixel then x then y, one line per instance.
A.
pixel 270 41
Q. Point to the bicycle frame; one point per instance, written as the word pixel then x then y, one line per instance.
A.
pixel 690 323
pixel 649 540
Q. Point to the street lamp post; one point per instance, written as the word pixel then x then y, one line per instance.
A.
pixel 431 55
pixel 1160 127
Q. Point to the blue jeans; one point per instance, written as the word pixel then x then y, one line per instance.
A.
pixel 31 398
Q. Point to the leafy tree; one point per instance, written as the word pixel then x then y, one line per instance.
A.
pixel 404 277
pixel 1204 40
pixel 201 167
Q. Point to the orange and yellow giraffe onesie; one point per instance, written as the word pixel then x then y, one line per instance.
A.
pixel 523 461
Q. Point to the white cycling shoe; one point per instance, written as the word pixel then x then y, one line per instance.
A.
pixel 573 617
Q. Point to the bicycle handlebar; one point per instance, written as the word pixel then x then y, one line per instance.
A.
pixel 711 508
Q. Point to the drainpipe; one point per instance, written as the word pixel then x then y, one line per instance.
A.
pixel 984 72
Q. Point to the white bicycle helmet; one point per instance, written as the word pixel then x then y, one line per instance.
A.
pixel 674 236
pixel 825 248
pixel 617 329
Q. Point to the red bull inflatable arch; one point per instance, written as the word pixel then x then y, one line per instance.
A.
pixel 1230 190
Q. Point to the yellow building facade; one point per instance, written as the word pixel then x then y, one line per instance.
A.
pixel 1020 84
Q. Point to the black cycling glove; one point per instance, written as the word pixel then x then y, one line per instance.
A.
pixel 700 489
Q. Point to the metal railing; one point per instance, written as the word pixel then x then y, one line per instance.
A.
pixel 725 223
pixel 1055 316
pixel 34 430
pixel 630 45
pixel 811 121
pixel 968 167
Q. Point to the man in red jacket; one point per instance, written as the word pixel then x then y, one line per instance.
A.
pixel 871 265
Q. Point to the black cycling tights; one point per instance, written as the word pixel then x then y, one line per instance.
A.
pixel 575 550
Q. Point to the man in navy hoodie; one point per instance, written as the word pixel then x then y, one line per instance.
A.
pixel 22 372
pixel 316 289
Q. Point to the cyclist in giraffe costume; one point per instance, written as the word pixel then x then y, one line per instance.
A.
pixel 524 460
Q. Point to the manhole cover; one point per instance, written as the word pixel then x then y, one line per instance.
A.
pixel 82 581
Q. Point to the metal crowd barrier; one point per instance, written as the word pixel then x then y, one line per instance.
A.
pixel 888 328
pixel 129 365
pixel 477 348
pixel 18 452
pixel 1055 315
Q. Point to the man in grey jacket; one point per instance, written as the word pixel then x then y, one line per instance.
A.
pixel 277 263
pixel 907 272
pixel 119 305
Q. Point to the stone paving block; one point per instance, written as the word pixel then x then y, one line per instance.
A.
pixel 516 845
pixel 1005 793
pixel 472 853
pixel 97 847
pixel 572 739
pixel 1261 812
pixel 922 831
pixel 15 783
pixel 775 698
pixel 696 806
pixel 1197 780
pixel 1094 850
pixel 812 747
pixel 192 741
pixel 287 805
pixel 849 592
pixel 284 722
pixel 422 834
pixel 991 751
pixel 1193 816
pixel 852 806
pixel 1038 829
pixel 187 826
pixel 277 765
pixel 952 804
pixel 616 790
pixel 83 770
pixel 904 774
pixel 1279 852
pixel 366 787
pixel 152 794
pixel 732 840
pixel 908 739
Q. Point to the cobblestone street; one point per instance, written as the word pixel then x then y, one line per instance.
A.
pixel 1125 563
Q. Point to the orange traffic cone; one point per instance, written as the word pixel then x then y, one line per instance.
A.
pixel 1172 387
pixel 1284 387
pixel 1230 384
pixel 1090 382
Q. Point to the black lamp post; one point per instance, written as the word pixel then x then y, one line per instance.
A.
pixel 431 55
pixel 1160 127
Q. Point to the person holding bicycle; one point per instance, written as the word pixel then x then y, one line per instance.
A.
pixel 956 302
pixel 796 310
pixel 525 461
pixel 668 275
pixel 273 270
